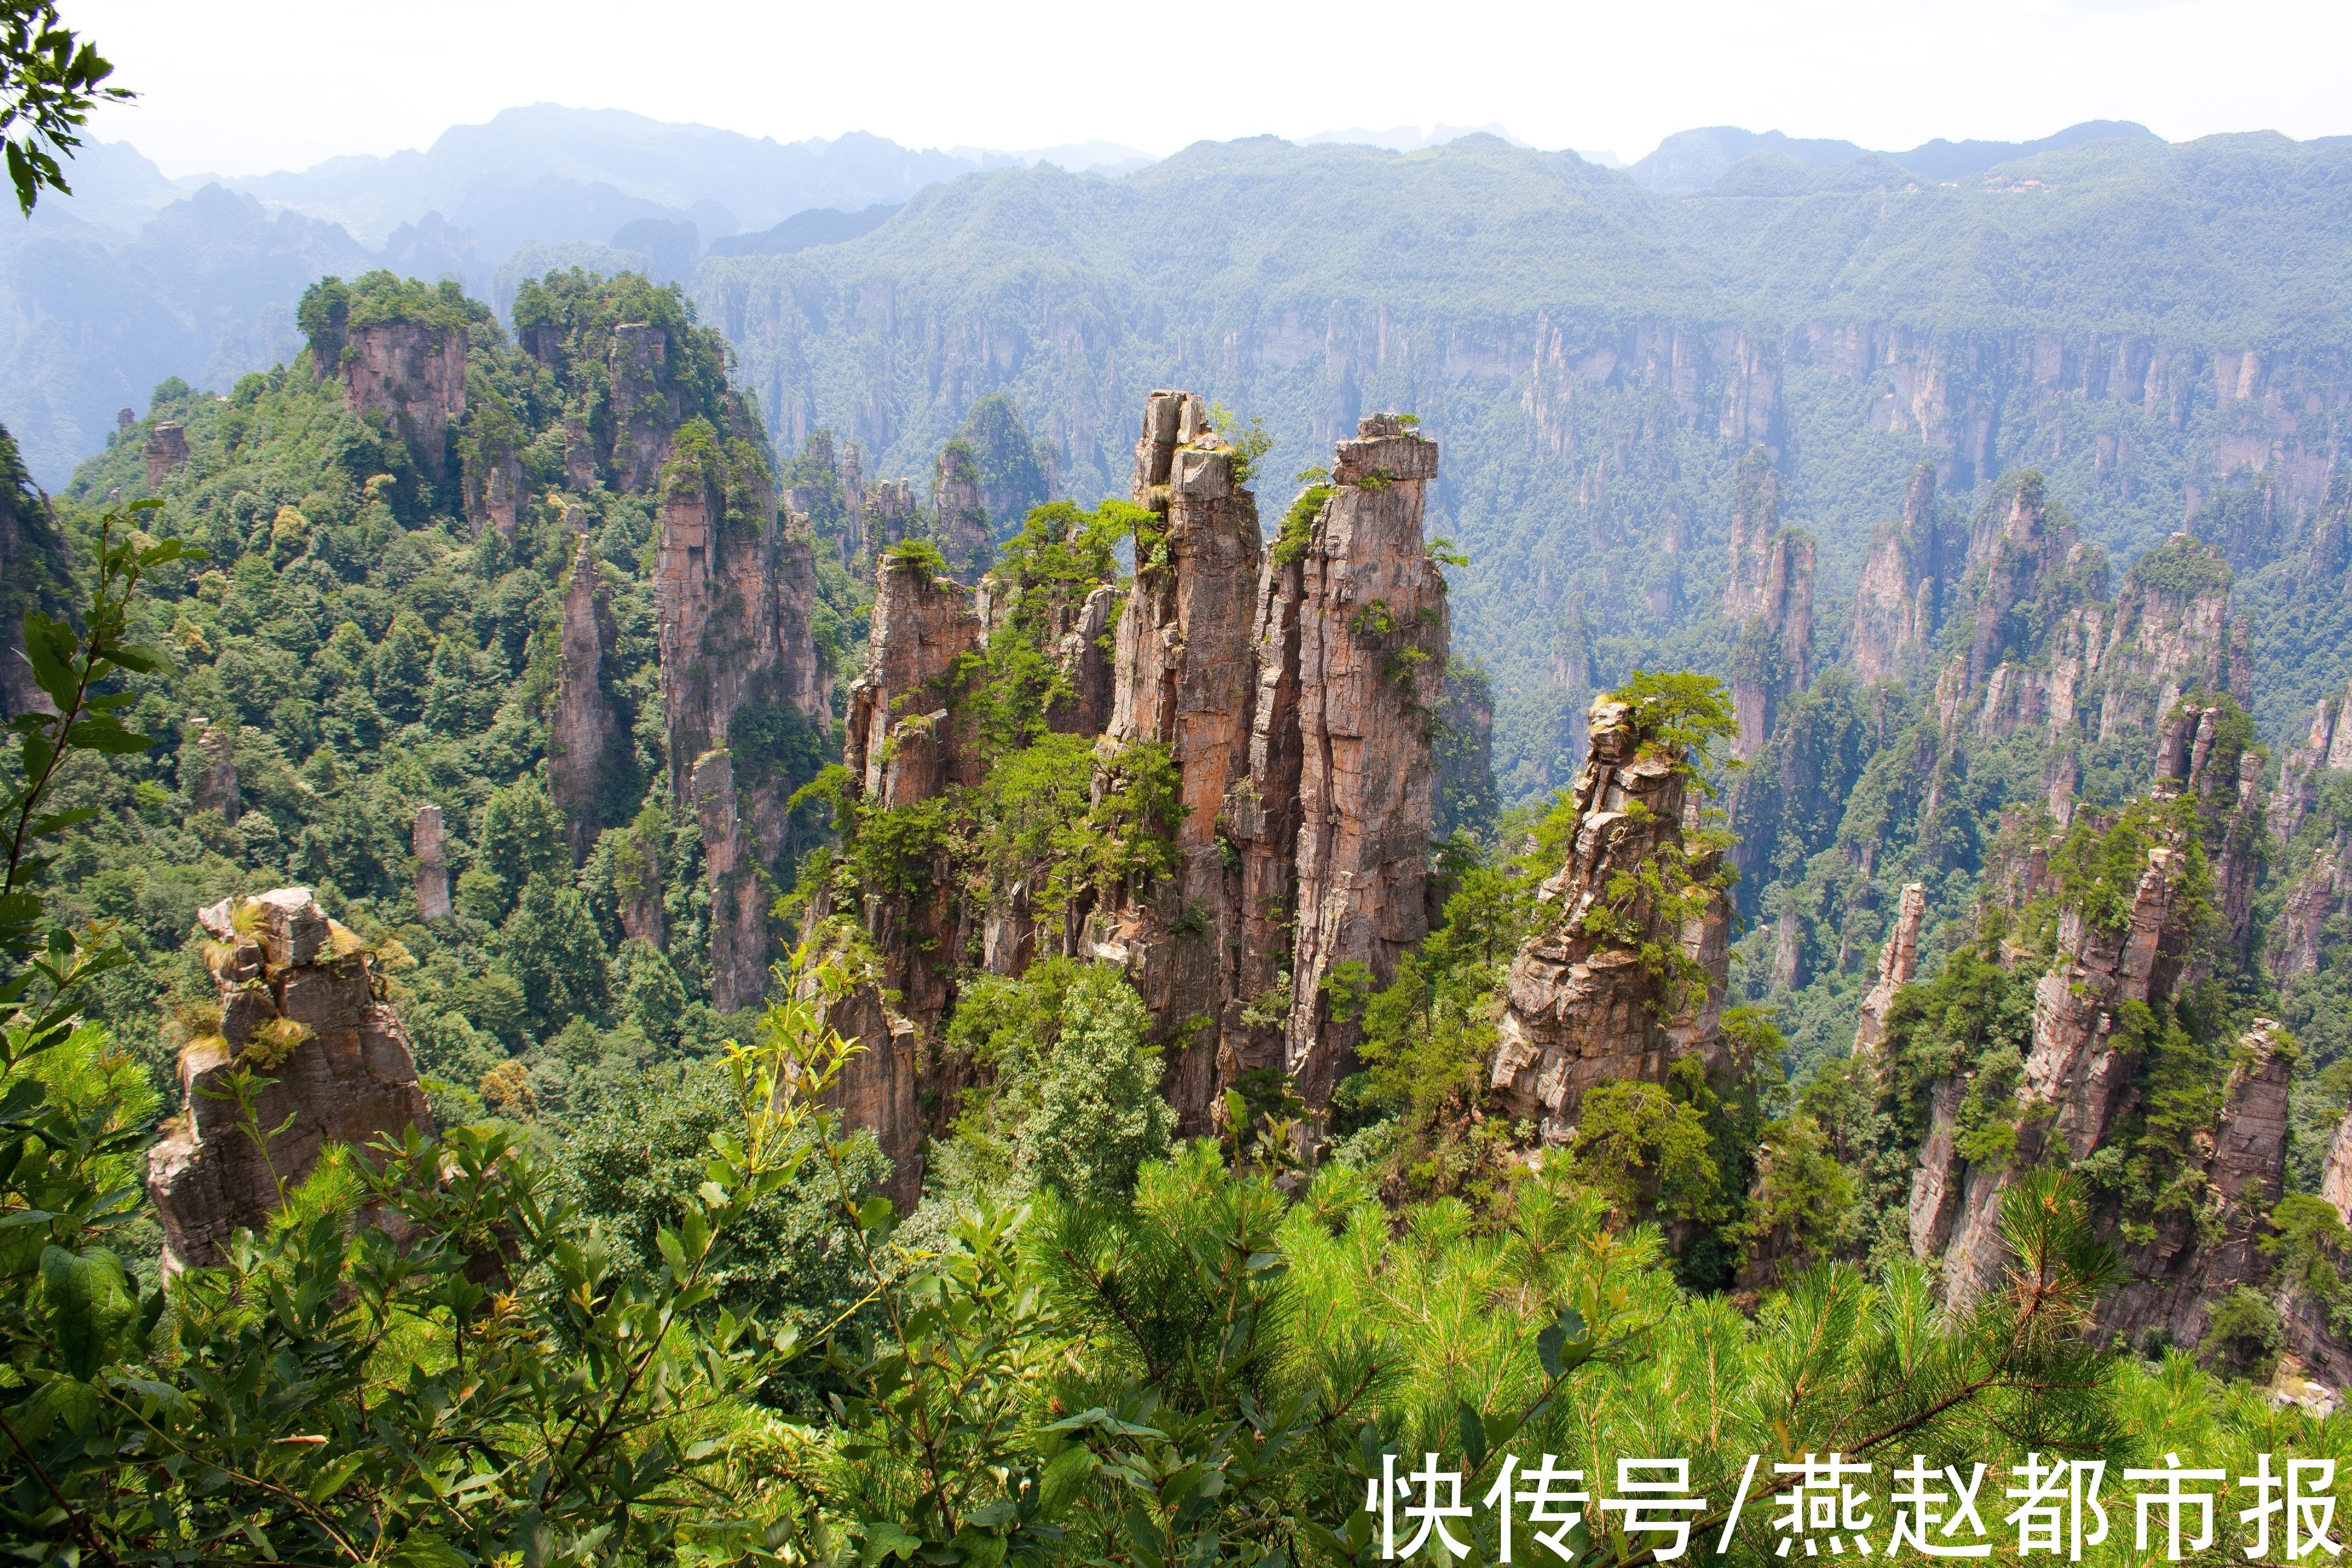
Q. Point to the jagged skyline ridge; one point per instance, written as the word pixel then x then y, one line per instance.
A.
pixel 1810 68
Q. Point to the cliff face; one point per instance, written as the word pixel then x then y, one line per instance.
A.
pixel 2196 1259
pixel 583 729
pixel 1898 962
pixel 1774 658
pixel 1185 678
pixel 211 780
pixel 426 842
pixel 1373 631
pixel 646 407
pixel 299 1008
pixel 1899 604
pixel 1580 1010
pixel 166 452
pixel 415 376
pixel 2083 1084
pixel 906 743
pixel 960 520
pixel 734 590
pixel 903 745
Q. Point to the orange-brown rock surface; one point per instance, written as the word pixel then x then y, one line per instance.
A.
pixel 1582 1009
pixel 583 729
pixel 166 452
pixel 427 841
pixel 1373 633
pixel 413 375
pixel 1185 678
pixel 330 1064
pixel 1897 963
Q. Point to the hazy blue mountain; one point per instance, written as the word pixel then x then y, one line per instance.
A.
pixel 1694 160
pixel 818 226
pixel 553 173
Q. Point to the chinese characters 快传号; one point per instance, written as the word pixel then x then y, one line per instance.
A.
pixel 1828 1506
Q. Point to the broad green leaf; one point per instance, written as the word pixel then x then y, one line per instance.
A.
pixel 1473 1434
pixel 91 1302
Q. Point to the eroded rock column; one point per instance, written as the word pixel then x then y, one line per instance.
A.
pixel 299 1011
pixel 1583 1009
pixel 1373 633
pixel 1185 678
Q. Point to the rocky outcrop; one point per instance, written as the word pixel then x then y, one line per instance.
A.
pixel 1373 635
pixel 1186 680
pixel 2196 754
pixel 211 780
pixel 1773 661
pixel 2336 1176
pixel 1755 520
pixel 879 1087
pixel 734 592
pixel 2239 1172
pixel 739 892
pixel 494 487
pixel 892 515
pixel 2327 749
pixel 583 731
pixel 646 406
pixel 330 1064
pixel 903 743
pixel 1084 656
pixel 959 521
pixel 1897 963
pixel 166 452
pixel 2320 892
pixel 413 375
pixel 1900 602
pixel 2076 1067
pixel 2174 635
pixel 2012 554
pixel 1580 1007
pixel 425 842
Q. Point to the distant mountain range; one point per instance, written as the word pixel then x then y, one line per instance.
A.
pixel 139 277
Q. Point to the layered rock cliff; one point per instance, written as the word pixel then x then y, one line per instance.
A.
pixel 415 376
pixel 1185 678
pixel 1900 604
pixel 584 729
pixel 329 1064
pixel 1581 1008
pixel 1373 635
pixel 734 590
pixel 2104 1066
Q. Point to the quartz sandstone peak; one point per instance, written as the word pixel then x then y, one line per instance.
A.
pixel 299 1010
pixel 734 593
pixel 1897 963
pixel 413 375
pixel 426 841
pixel 1898 605
pixel 1373 634
pixel 166 452
pixel 583 731
pixel 1579 1010
pixel 1185 676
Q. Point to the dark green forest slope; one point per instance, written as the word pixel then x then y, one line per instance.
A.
pixel 373 632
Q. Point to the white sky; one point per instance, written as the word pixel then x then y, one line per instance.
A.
pixel 247 85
